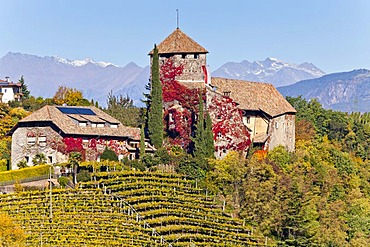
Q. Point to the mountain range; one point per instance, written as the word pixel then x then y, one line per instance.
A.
pixel 43 76
pixel 271 70
pixel 346 91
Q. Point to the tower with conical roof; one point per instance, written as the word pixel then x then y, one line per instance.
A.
pixel 183 50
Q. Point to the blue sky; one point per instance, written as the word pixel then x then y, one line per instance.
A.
pixel 332 34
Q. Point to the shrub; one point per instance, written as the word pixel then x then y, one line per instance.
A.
pixel 22 164
pixel 39 159
pixel 3 165
pixel 109 154
pixel 63 181
pixel 83 176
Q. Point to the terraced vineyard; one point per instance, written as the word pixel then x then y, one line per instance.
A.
pixel 127 208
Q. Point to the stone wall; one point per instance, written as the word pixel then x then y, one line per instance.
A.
pixel 282 132
pixel 29 141
pixel 192 65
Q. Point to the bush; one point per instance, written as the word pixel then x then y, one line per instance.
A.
pixel 137 165
pixel 109 154
pixel 63 181
pixel 3 165
pixel 83 176
pixel 39 159
pixel 22 164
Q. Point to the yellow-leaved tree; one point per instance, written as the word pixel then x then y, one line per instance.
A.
pixel 69 96
pixel 11 234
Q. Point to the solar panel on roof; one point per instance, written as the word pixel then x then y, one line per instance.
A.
pixel 80 111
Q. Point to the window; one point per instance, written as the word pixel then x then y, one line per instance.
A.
pixel 183 56
pixel 276 125
pixel 42 140
pixel 31 140
pixel 5 90
pixel 227 93
pixel 196 56
pixel 219 134
pixel 50 159
pixel 27 158
pixel 248 120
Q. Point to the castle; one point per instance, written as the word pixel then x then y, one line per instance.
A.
pixel 242 112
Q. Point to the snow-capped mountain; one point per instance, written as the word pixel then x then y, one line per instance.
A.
pixel 271 70
pixel 44 75
pixel 83 62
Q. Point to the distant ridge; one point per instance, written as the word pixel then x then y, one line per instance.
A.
pixel 345 91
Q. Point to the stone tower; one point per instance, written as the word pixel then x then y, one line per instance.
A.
pixel 183 50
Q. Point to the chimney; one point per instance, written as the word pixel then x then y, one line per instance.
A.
pixel 7 79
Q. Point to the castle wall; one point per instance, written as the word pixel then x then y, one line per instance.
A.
pixel 193 63
pixel 282 132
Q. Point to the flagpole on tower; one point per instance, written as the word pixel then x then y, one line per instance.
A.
pixel 177 15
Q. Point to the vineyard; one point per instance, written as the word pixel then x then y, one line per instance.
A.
pixel 128 208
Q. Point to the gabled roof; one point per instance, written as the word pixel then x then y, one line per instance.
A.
pixel 67 122
pixel 178 42
pixel 254 96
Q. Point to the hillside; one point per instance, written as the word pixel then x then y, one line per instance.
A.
pixel 128 208
pixel 44 75
pixel 271 70
pixel 346 91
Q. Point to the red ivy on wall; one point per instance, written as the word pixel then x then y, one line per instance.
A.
pixel 180 120
pixel 230 133
pixel 92 148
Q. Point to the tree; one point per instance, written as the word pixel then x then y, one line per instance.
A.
pixel 109 154
pixel 24 88
pixel 208 137
pixel 199 140
pixel 11 235
pixel 123 109
pixel 69 96
pixel 73 161
pixel 142 142
pixel 39 159
pixel 203 141
pixel 155 115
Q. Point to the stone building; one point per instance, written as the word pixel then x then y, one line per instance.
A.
pixel 268 117
pixel 55 131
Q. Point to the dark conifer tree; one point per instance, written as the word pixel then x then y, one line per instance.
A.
pixel 142 142
pixel 199 144
pixel 155 114
pixel 25 91
pixel 208 137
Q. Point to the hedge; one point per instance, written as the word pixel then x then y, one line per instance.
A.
pixel 34 171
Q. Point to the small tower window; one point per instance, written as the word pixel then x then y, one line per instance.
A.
pixel 183 56
pixel 196 56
